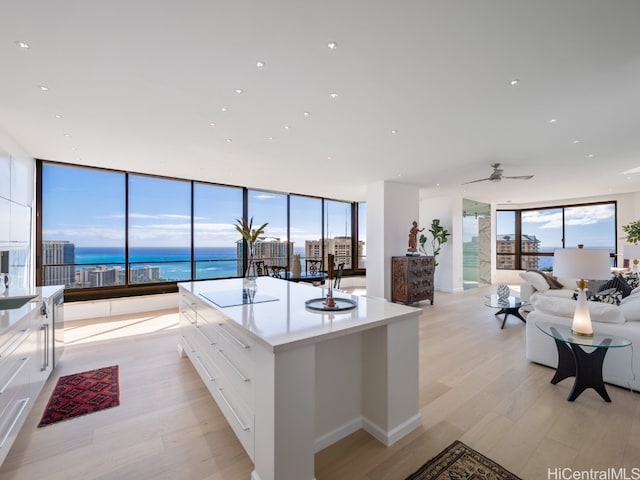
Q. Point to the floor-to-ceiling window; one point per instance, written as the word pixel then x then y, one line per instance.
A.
pixel 362 235
pixel 271 208
pixel 159 226
pixel 526 239
pixel 83 214
pixel 215 241
pixel 306 228
pixel 108 233
pixel 337 233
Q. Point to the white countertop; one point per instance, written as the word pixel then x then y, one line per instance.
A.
pixel 286 322
pixel 10 317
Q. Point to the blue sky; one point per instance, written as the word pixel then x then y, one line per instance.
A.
pixel 86 206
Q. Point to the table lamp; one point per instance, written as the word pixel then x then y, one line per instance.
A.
pixel 583 264
pixel 632 253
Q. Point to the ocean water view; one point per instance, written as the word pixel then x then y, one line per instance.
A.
pixel 174 262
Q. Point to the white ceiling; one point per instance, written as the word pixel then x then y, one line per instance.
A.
pixel 139 82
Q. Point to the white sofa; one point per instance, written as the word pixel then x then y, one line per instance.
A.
pixel 533 284
pixel 621 365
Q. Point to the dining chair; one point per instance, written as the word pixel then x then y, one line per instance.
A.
pixel 338 275
pixel 313 266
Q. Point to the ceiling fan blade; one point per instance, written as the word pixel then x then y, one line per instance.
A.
pixel 476 181
pixel 520 177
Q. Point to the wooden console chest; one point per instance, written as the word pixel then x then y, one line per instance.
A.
pixel 412 279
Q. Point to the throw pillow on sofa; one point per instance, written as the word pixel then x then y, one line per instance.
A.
pixel 611 296
pixel 619 284
pixel 632 279
pixel 540 280
pixel 535 279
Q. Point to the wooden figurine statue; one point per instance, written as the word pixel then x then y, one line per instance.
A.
pixel 413 237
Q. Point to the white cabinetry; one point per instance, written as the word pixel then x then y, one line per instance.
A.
pixel 43 323
pixel 291 381
pixel 20 225
pixel 5 178
pixel 18 359
pixel 5 221
pixel 22 180
pixel 26 360
pixel 222 357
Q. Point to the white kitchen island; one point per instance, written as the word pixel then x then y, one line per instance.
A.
pixel 291 380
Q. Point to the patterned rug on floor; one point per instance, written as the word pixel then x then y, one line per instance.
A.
pixel 82 393
pixel 459 461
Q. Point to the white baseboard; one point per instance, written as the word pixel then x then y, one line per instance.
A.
pixel 390 437
pixel 323 441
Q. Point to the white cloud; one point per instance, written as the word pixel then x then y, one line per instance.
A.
pixel 587 215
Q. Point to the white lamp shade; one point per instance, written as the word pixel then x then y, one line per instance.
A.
pixel 582 263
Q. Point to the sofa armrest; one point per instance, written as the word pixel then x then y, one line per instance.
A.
pixel 526 290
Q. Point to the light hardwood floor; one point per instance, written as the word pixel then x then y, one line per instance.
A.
pixel 475 386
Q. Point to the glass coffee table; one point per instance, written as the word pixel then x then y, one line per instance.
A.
pixel 574 361
pixel 507 305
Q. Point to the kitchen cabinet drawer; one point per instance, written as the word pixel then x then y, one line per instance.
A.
pixel 207 370
pixel 14 378
pixel 17 362
pixel 237 351
pixel 234 377
pixel 11 420
pixel 238 416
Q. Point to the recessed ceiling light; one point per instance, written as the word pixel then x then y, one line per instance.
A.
pixel 332 45
pixel 306 114
pixel 591 155
pixel 224 109
pixel 437 184
pixel 229 140
pixel 552 120
pixel 514 82
pixel 260 64
pixel 213 124
pixel 328 158
pixel 286 127
pixel 333 95
pixel 269 138
pixel 393 132
pixel 44 88
pixel 576 141
pixel 75 149
pixel 238 91
pixel 58 116
pixel 67 135
pixel 24 45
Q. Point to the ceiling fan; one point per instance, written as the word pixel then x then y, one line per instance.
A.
pixel 496 176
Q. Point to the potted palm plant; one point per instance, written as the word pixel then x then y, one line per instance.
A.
pixel 250 235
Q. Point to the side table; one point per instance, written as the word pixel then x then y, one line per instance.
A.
pixel 508 306
pixel 574 361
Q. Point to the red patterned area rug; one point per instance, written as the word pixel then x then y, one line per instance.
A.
pixel 82 393
pixel 459 461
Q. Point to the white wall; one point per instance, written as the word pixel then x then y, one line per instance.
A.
pixel 448 275
pixel 391 207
